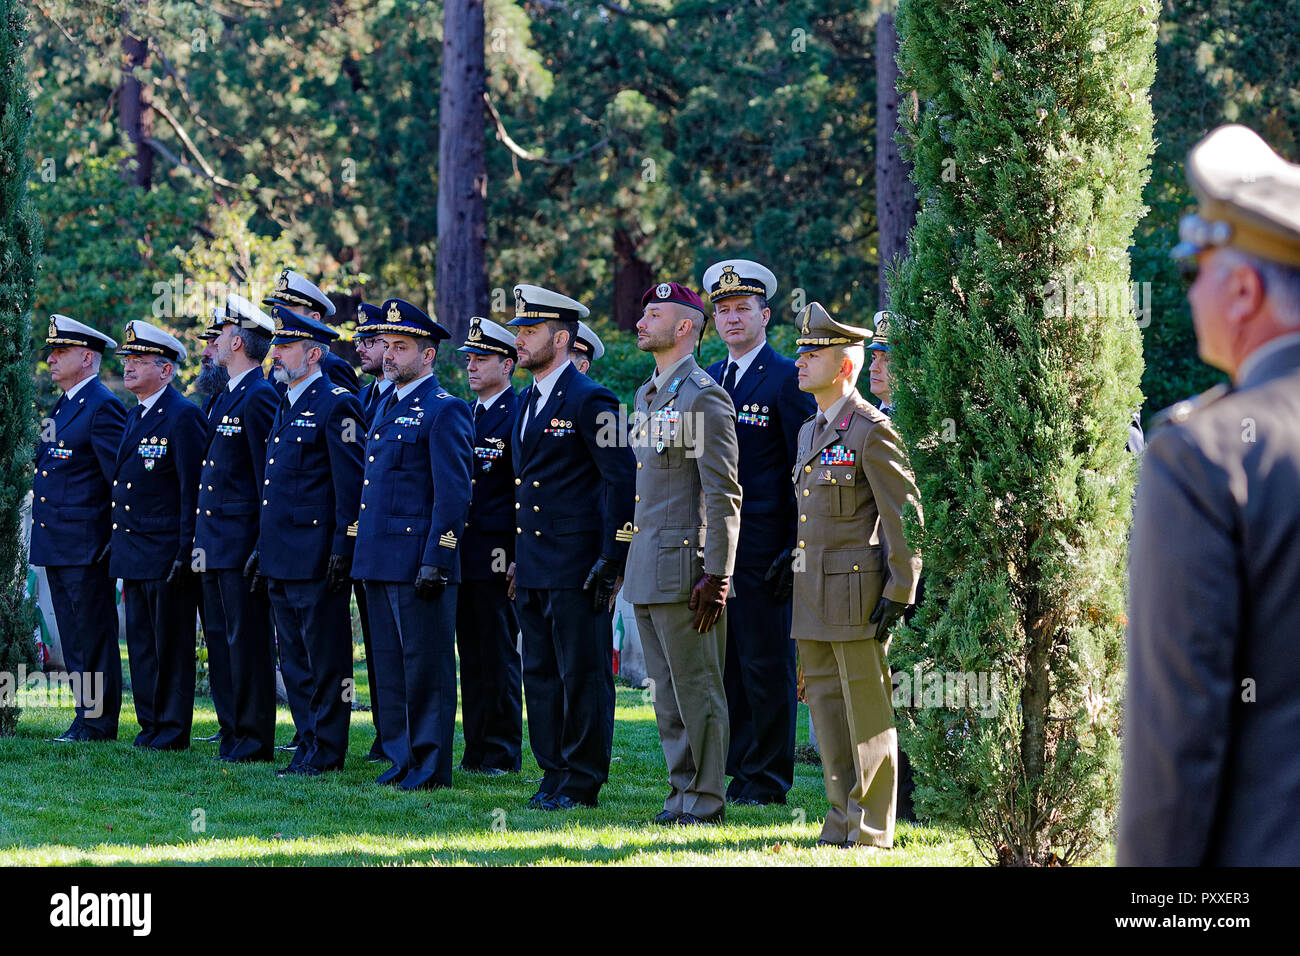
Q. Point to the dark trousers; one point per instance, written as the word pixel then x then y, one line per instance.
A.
pixel 246 620
pixel 491 695
pixel 314 629
pixel 85 610
pixel 376 748
pixel 569 687
pixel 761 691
pixel 160 620
pixel 216 639
pixel 415 664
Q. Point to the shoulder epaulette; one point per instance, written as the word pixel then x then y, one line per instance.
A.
pixel 704 381
pixel 1181 411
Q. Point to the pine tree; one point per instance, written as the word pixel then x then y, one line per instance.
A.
pixel 20 241
pixel 1018 371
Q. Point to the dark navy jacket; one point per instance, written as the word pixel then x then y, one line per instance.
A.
pixel 156 487
pixel 370 398
pixel 230 485
pixel 419 455
pixel 770 409
pixel 491 525
pixel 74 468
pixel 312 486
pixel 575 480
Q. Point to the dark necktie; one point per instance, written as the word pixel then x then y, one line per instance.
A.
pixel 729 381
pixel 390 401
pixel 821 424
pixel 478 413
pixel 536 394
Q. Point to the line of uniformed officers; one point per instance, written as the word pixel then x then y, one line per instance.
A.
pixel 760 500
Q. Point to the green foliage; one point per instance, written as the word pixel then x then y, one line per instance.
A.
pixel 20 250
pixel 1017 379
pixel 1219 62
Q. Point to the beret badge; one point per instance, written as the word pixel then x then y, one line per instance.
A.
pixel 663 290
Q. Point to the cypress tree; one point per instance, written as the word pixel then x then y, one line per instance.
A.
pixel 1017 371
pixel 20 241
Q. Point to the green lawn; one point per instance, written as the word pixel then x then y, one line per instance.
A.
pixel 113 804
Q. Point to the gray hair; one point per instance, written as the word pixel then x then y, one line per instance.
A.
pixel 1281 286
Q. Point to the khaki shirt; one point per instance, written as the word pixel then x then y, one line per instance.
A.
pixel 687 516
pixel 852 484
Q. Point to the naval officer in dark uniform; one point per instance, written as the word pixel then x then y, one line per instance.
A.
pixel 414 501
pixel 75 462
pixel 587 348
pixel 310 499
pixel 155 493
pixel 487 630
pixel 760 672
pixel 226 528
pixel 574 484
pixel 297 294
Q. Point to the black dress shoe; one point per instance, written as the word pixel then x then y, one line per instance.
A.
pixel 491 772
pixel 429 784
pixel 562 801
pixel 290 769
pixel 539 800
pixel 691 820
pixel 745 802
pixel 665 818
pixel 214 739
pixel 307 770
pixel 392 775
pixel 376 756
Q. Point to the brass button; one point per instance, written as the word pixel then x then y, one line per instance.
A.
pixel 855 567
pixel 115 484
pixel 634 498
pixel 128 486
pixel 267 481
pixel 473 481
pixel 264 502
pixel 115 526
pixel 801 544
pixel 277 441
pixel 834 482
pixel 128 507
pixel 519 481
pixel 518 506
pixel 538 533
pixel 537 484
pixel 42 497
pixel 196 510
pixel 209 514
pixel 807 469
pixel 536 508
pixel 363 506
pixel 408 530
pixel 805 492
pixel 209 487
pixel 366 482
pixel 803 517
pixel 372 457
pixel 42 524
pixel 638 464
pixel 271 462
pixel 45 474
pixel 519 530
pixel 376 434
pixel 113 503
pixel 314 521
pixel 686 541
pixel 635 530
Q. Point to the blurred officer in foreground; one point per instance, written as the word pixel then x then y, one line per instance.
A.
pixel 574 482
pixel 370 350
pixel 75 462
pixel 1211 771
pixel 311 495
pixel 761 680
pixel 859 575
pixel 155 492
pixel 587 348
pixel 225 533
pixel 414 501
pixel 487 628
pixel 298 295
pixel 683 550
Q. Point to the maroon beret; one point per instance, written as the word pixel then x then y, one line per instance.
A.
pixel 673 292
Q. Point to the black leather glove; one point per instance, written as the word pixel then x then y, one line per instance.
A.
pixel 708 601
pixel 252 575
pixel 781 576
pixel 430 582
pixel 179 572
pixel 600 583
pixel 886 615
pixel 338 575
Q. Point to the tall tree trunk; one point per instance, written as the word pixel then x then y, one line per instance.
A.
pixel 632 276
pixel 895 196
pixel 462 170
pixel 133 103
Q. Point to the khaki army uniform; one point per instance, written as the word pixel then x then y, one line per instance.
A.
pixel 686 523
pixel 852 484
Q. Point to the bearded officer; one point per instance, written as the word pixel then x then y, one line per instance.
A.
pixel 683 550
pixel 762 696
pixel 297 294
pixel 852 485
pixel 370 350
pixel 487 628
pixel 1211 774
pixel 574 484
pixel 74 465
pixel 230 488
pixel 155 492
pixel 311 495
pixel 414 501
pixel 587 348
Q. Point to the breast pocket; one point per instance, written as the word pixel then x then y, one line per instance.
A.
pixel 836 490
pixel 679 562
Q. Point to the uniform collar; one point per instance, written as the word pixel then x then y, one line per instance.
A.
pixel 295 392
pixel 836 411
pixel 234 379
pixel 1253 361
pixel 489 402
pixel 745 361
pixel 70 393
pixel 152 400
pixel 662 379
pixel 412 385
pixel 546 385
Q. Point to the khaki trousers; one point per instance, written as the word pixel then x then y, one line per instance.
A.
pixel 849 690
pixel 690 703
